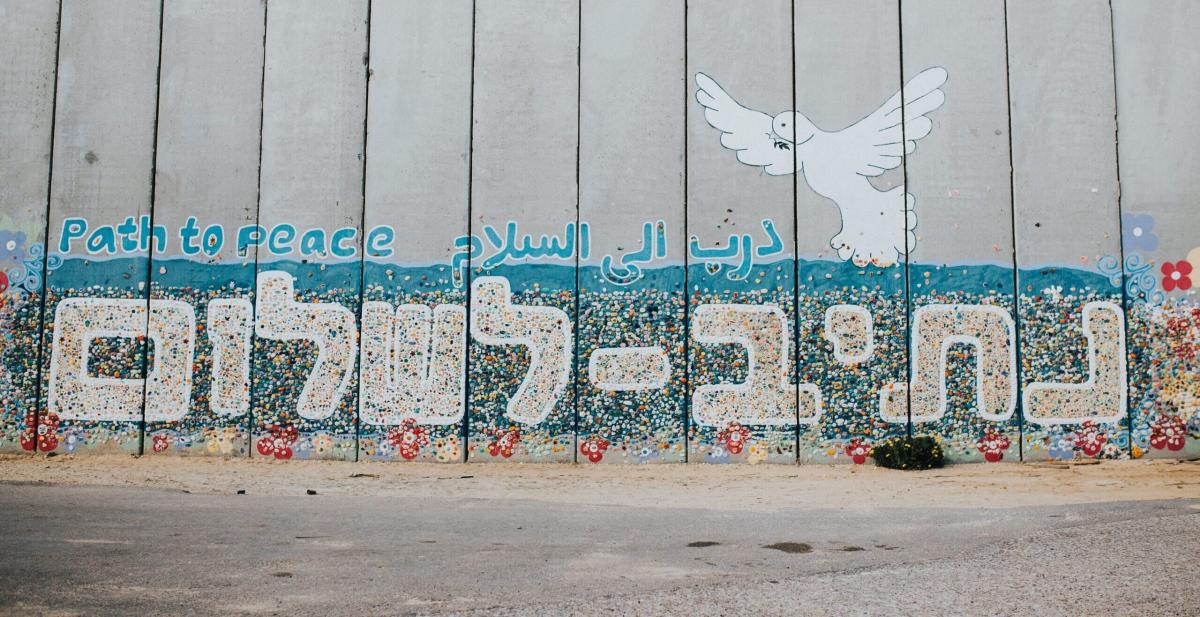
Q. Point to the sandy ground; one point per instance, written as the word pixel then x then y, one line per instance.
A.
pixel 120 535
pixel 721 487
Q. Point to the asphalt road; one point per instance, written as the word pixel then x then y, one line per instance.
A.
pixel 141 551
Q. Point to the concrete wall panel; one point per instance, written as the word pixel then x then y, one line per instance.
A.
pixel 304 388
pixel 206 188
pixel 28 40
pixel 100 197
pixel 523 207
pixel 602 231
pixel 960 176
pixel 1156 57
pixel 418 173
pixel 1067 228
pixel 840 204
pixel 740 200
pixel 631 375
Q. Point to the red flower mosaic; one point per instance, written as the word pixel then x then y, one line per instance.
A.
pixel 858 450
pixel 41 432
pixel 279 443
pixel 505 442
pixel 161 442
pixel 1168 432
pixel 1090 439
pixel 1176 275
pixel 3 282
pixel 733 438
pixel 409 438
pixel 993 444
pixel 593 448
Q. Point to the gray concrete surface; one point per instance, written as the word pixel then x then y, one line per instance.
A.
pixel 27 41
pixel 631 160
pixel 963 164
pixel 132 551
pixel 210 105
pixel 1155 123
pixel 419 128
pixel 1063 113
pixel 314 106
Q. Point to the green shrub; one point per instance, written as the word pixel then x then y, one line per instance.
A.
pixel 920 452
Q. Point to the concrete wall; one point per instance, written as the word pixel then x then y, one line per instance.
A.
pixel 597 231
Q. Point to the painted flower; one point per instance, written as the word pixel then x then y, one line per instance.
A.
pixel 12 248
pixel 1138 232
pixel 733 437
pixel 229 439
pixel 646 452
pixel 858 450
pixel 505 443
pixel 48 433
pixel 1061 449
pixel 161 442
pixel 41 433
pixel 408 438
pixel 211 443
pixel 593 448
pixel 1175 275
pixel 447 451
pixel 3 282
pixel 29 435
pixel 993 444
pixel 322 443
pixel 1089 439
pixel 72 438
pixel 279 443
pixel 1054 292
pixel 1168 432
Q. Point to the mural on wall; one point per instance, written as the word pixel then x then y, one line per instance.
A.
pixel 837 164
pixel 412 361
pixel 322 319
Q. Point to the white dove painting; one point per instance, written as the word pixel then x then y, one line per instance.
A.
pixel 876 225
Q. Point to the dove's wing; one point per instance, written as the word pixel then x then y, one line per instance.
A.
pixel 881 140
pixel 743 130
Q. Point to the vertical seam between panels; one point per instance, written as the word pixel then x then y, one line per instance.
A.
pixel 150 244
pixel 262 97
pixel 1129 412
pixel 1012 210
pixel 796 319
pixel 908 367
pixel 362 226
pixel 41 333
pixel 578 141
pixel 465 432
pixel 686 386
